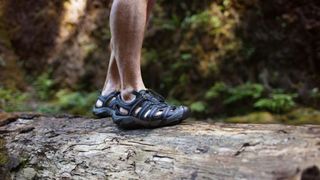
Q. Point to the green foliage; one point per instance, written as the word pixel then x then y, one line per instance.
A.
pixel 248 96
pixel 204 18
pixel 198 106
pixel 254 117
pixel 244 91
pixel 13 100
pixel 150 56
pixel 79 103
pixel 75 102
pixel 216 90
pixel 277 102
pixel 43 86
pixel 63 101
pixel 48 108
pixel 195 39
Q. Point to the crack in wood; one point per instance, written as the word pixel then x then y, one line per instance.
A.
pixel 25 129
pixel 145 144
pixel 243 147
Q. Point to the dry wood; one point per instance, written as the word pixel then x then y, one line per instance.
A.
pixel 82 148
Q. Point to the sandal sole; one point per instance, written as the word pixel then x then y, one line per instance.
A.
pixel 129 122
pixel 102 112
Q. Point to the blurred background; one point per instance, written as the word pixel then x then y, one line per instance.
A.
pixel 229 60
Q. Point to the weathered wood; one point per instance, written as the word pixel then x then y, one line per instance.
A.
pixel 69 147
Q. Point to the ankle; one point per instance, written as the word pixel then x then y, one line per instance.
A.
pixel 109 88
pixel 126 93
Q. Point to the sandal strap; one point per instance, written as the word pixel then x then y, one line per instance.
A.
pixel 157 95
pixel 152 109
pixel 166 112
pixel 152 95
pixel 148 104
pixel 144 110
pixel 136 105
pixel 106 100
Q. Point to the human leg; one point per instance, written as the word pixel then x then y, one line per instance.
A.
pixel 136 106
pixel 127 22
pixel 112 82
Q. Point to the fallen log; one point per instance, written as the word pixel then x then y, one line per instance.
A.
pixel 68 147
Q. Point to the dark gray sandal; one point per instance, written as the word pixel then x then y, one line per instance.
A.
pixel 147 110
pixel 105 105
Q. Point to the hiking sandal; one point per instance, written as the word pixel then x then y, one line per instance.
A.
pixel 147 110
pixel 104 106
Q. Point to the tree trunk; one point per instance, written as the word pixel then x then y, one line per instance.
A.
pixel 67 147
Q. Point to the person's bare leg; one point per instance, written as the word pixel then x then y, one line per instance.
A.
pixel 112 82
pixel 127 22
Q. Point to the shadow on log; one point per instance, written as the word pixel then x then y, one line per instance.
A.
pixel 66 147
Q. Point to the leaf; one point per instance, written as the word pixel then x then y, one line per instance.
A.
pixel 198 106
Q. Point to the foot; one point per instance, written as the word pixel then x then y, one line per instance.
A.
pixel 147 110
pixel 104 106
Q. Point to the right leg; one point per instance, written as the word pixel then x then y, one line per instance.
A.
pixel 112 82
pixel 127 21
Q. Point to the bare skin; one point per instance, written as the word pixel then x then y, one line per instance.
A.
pixel 128 20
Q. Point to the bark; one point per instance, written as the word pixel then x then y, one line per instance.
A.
pixel 68 147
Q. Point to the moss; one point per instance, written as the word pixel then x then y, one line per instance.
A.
pixel 301 116
pixel 295 117
pixel 3 153
pixel 255 117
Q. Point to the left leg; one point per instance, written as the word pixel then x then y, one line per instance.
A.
pixel 112 82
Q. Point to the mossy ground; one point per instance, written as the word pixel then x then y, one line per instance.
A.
pixel 297 116
pixel 4 159
pixel 3 153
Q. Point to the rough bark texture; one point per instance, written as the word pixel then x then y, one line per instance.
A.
pixel 66 147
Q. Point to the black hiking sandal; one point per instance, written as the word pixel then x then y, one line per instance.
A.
pixel 104 106
pixel 147 110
